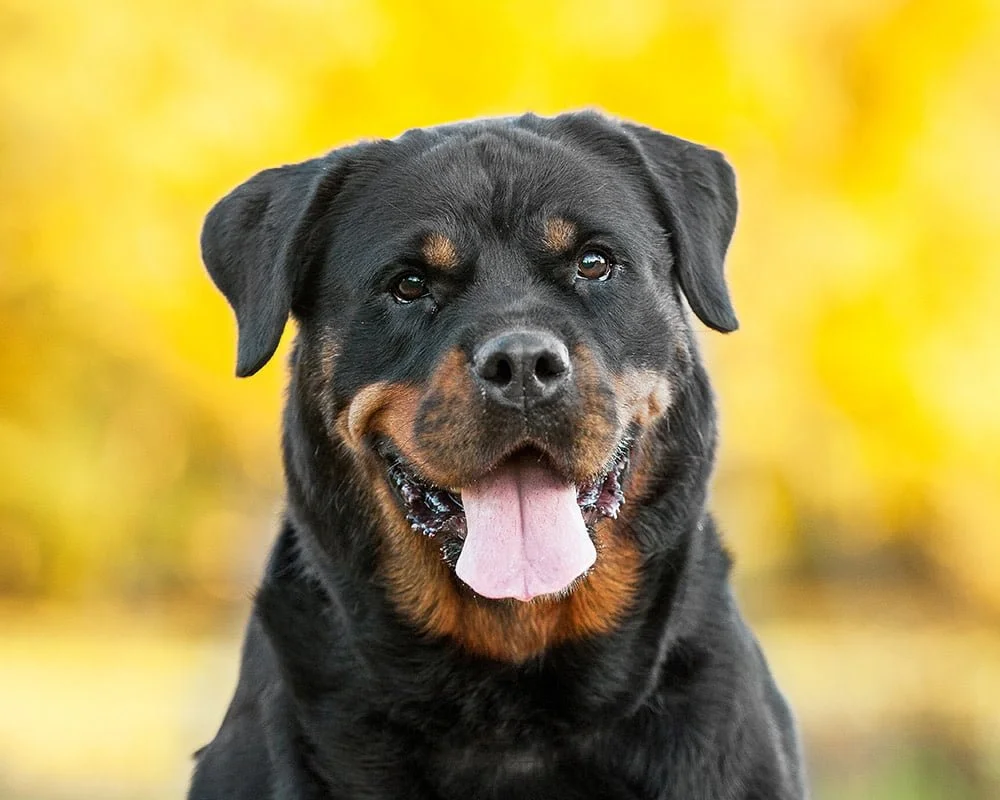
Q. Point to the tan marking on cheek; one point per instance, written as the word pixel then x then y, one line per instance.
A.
pixel 598 429
pixel 642 396
pixel 560 235
pixel 380 407
pixel 440 251
pixel 452 378
pixel 450 422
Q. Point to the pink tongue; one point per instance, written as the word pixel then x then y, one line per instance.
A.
pixel 526 536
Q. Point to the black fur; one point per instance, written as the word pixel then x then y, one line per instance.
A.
pixel 341 696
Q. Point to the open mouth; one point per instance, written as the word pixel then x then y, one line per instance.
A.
pixel 521 530
pixel 432 510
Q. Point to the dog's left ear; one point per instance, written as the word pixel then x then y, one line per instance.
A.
pixel 258 243
pixel 695 189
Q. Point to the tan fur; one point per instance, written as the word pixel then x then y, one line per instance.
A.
pixel 599 427
pixel 560 235
pixel 385 407
pixel 439 251
pixel 642 396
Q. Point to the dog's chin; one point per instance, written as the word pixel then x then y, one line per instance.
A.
pixel 438 511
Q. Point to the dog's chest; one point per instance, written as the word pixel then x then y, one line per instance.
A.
pixel 478 763
pixel 532 769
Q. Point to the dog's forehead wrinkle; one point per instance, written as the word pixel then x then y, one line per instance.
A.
pixel 507 169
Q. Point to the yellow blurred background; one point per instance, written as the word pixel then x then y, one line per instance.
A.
pixel 859 477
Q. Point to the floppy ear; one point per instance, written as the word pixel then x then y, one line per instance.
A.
pixel 695 189
pixel 257 244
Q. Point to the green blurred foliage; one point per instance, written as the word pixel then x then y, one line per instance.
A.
pixel 859 399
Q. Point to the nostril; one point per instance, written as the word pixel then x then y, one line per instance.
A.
pixel 548 367
pixel 503 373
pixel 496 369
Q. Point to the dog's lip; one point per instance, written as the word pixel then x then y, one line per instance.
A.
pixel 392 456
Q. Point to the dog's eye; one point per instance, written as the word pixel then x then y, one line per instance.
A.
pixel 409 287
pixel 594 265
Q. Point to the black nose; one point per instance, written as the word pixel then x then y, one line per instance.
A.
pixel 522 368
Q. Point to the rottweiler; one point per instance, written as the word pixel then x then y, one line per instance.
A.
pixel 495 576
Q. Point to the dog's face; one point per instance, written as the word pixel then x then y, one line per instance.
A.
pixel 491 324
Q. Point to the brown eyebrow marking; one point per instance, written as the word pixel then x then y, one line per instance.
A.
pixel 440 251
pixel 560 234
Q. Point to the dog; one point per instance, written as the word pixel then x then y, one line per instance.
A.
pixel 495 575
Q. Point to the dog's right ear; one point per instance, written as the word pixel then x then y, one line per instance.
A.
pixel 258 243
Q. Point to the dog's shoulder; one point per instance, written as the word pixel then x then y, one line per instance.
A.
pixel 236 762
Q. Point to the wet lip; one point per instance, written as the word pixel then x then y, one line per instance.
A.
pixel 433 510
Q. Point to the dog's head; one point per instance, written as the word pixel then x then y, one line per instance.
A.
pixel 490 322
